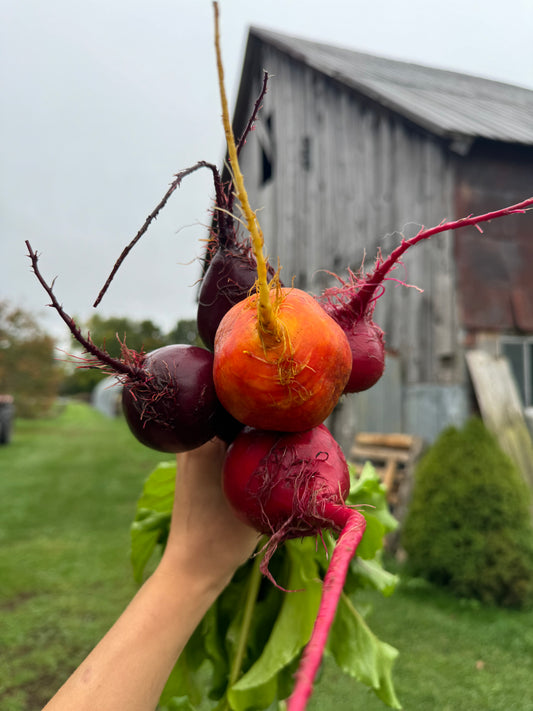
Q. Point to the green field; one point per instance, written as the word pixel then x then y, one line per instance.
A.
pixel 68 487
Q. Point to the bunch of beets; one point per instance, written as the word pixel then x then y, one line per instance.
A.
pixel 275 363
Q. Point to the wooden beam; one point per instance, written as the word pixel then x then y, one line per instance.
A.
pixel 394 439
pixel 501 409
pixel 381 454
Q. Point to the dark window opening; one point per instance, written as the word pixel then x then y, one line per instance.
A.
pixel 266 167
pixel 266 143
pixel 519 352
pixel 305 154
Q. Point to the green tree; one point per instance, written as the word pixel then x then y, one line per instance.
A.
pixel 109 334
pixel 29 369
pixel 185 331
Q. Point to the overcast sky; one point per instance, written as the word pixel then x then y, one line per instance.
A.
pixel 104 100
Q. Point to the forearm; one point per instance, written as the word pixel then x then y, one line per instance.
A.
pixel 129 667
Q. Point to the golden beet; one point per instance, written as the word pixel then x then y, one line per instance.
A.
pixel 287 381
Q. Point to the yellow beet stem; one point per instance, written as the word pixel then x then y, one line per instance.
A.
pixel 266 315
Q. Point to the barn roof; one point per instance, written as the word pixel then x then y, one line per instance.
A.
pixel 449 104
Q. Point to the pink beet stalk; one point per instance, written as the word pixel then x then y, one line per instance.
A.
pixel 351 303
pixel 371 283
pixel 353 527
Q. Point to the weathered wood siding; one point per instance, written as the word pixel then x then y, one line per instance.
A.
pixel 348 178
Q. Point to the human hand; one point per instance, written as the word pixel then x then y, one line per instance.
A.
pixel 206 543
pixel 205 538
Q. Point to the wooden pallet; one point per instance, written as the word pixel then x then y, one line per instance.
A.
pixel 393 456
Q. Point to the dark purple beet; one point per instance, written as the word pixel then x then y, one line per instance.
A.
pixel 230 277
pixel 176 408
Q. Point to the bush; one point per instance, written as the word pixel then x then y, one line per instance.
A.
pixel 469 525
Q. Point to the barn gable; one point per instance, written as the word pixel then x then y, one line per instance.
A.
pixel 446 103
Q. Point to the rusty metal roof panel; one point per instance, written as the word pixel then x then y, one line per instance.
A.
pixel 447 103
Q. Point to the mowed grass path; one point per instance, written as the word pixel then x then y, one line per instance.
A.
pixel 68 487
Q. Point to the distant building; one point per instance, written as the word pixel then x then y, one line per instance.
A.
pixel 7 413
pixel 351 148
pixel 107 396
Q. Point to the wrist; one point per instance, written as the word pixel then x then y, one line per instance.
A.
pixel 193 573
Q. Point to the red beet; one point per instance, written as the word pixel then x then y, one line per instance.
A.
pixel 282 479
pixel 169 397
pixel 368 355
pixel 175 408
pixel 293 485
pixel 366 339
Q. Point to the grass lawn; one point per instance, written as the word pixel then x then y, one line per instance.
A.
pixel 68 487
pixel 454 656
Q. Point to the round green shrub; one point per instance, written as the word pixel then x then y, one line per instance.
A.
pixel 469 525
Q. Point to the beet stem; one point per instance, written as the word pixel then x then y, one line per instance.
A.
pixel 249 127
pixel 253 118
pixel 266 316
pixel 254 583
pixel 153 215
pixel 117 365
pixel 353 527
pixel 378 275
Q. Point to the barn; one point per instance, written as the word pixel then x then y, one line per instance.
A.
pixel 354 151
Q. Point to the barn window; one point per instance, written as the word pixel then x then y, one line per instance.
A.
pixel 266 167
pixel 265 133
pixel 305 153
pixel 519 352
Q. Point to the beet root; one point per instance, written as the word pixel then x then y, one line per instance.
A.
pixel 287 381
pixel 293 485
pixel 343 304
pixel 174 408
pixel 277 482
pixel 368 355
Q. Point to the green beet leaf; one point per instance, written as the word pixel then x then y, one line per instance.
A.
pixel 371 573
pixel 183 686
pixel 291 632
pixel 260 658
pixel 178 703
pixel 152 519
pixel 158 490
pixel 368 491
pixel 359 653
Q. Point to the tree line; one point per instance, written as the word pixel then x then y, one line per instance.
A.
pixel 35 372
